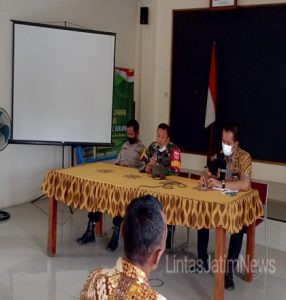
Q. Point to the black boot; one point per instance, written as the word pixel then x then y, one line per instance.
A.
pixel 228 281
pixel 88 236
pixel 113 243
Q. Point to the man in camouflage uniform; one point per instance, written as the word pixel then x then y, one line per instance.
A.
pixel 162 152
pixel 166 154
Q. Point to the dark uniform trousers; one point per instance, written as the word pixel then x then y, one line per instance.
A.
pixel 95 217
pixel 235 245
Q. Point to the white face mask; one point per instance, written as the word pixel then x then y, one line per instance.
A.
pixel 227 149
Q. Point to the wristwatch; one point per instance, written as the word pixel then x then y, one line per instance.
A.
pixel 223 184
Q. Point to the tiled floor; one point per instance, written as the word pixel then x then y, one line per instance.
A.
pixel 277 210
pixel 26 272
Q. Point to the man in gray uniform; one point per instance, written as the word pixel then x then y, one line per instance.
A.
pixel 129 156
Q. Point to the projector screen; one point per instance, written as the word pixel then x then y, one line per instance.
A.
pixel 62 84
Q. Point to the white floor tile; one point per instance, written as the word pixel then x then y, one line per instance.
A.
pixel 28 273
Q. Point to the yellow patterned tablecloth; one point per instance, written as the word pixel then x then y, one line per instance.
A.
pixel 109 188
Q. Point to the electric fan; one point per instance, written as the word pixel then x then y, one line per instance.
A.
pixel 5 130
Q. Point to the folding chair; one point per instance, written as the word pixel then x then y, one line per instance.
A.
pixel 195 176
pixel 262 189
pixel 263 193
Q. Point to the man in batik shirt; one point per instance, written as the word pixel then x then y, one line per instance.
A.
pixel 237 165
pixel 144 234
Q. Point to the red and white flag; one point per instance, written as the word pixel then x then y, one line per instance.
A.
pixel 211 101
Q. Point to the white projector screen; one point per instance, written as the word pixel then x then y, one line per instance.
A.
pixel 62 84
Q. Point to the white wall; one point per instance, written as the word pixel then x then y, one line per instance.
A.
pixel 22 167
pixel 156 40
pixel 147 48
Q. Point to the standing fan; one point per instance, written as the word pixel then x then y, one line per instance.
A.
pixel 5 131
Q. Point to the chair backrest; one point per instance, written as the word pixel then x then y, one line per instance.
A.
pixel 90 155
pixel 189 175
pixel 79 155
pixel 262 189
pixel 184 174
pixel 195 176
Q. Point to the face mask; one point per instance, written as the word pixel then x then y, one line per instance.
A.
pixel 227 149
pixel 131 140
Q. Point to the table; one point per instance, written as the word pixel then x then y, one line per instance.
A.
pixel 109 188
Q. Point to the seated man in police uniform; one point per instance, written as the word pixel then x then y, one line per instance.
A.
pixel 237 164
pixel 129 156
pixel 144 233
pixel 165 154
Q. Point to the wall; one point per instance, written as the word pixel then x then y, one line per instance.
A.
pixel 22 167
pixel 147 48
pixel 155 95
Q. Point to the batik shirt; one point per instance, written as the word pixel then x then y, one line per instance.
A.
pixel 170 158
pixel 238 165
pixel 123 282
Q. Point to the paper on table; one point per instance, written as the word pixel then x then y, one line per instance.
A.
pixel 225 190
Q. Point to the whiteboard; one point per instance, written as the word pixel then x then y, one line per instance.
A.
pixel 62 84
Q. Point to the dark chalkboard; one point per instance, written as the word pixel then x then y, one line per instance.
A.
pixel 250 72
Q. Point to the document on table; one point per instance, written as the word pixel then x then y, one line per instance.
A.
pixel 226 190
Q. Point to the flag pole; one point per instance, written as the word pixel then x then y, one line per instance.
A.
pixel 211 108
pixel 211 152
pixel 211 145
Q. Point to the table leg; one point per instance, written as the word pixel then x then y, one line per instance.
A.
pixel 52 227
pixel 98 226
pixel 219 264
pixel 249 251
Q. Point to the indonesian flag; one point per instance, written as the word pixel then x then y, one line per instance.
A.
pixel 211 101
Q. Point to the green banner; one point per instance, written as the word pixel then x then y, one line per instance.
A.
pixel 123 110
